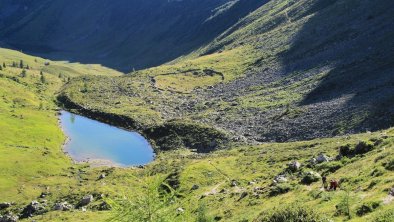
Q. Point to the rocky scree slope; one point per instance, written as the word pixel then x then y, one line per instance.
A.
pixel 290 70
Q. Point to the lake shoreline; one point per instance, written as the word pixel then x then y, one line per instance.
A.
pixel 92 161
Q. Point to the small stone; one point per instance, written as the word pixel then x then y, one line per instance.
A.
pixel 180 210
pixel 294 166
pixel 391 192
pixel 243 195
pixel 102 176
pixel 64 206
pixel 86 200
pixel 83 209
pixel 280 179
pixel 313 161
pixel 195 187
pixel 251 183
pixel 234 183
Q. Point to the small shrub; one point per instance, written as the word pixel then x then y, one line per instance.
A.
pixel 345 150
pixel 292 213
pixel 389 165
pixel 280 189
pixel 367 208
pixel 343 207
pixel 363 147
pixel 379 171
pixel 372 184
pixel 202 214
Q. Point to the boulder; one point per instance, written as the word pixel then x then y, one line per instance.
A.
pixel 4 205
pixel 34 208
pixel 86 200
pixel 310 177
pixel 64 206
pixel 234 183
pixel 294 166
pixel 8 218
pixel 322 158
pixel 313 161
pixel 280 179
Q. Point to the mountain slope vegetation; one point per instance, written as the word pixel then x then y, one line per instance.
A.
pixel 148 32
pixel 237 119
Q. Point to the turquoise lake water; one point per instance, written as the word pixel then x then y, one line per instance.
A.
pixel 92 140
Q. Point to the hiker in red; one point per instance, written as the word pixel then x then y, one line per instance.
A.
pixel 333 185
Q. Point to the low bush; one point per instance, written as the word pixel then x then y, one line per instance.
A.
pixel 389 165
pixel 378 171
pixel 361 148
pixel 291 213
pixel 367 208
pixel 280 189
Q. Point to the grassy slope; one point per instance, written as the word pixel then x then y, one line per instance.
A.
pixel 214 172
pixel 31 156
pixel 151 98
pixel 32 160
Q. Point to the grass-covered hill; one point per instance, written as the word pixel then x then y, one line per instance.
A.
pixel 290 70
pixel 267 182
pixel 119 34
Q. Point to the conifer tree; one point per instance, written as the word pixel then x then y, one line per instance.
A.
pixel 21 64
pixel 23 73
pixel 42 78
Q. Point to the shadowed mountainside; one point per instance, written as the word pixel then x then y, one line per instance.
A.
pixel 123 34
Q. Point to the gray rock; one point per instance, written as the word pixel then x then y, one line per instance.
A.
pixel 195 187
pixel 322 158
pixel 102 176
pixel 9 218
pixel 86 200
pixel 4 205
pixel 234 183
pixel 313 161
pixel 294 166
pixel 243 195
pixel 251 183
pixel 33 208
pixel 391 192
pixel 280 179
pixel 180 210
pixel 64 206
